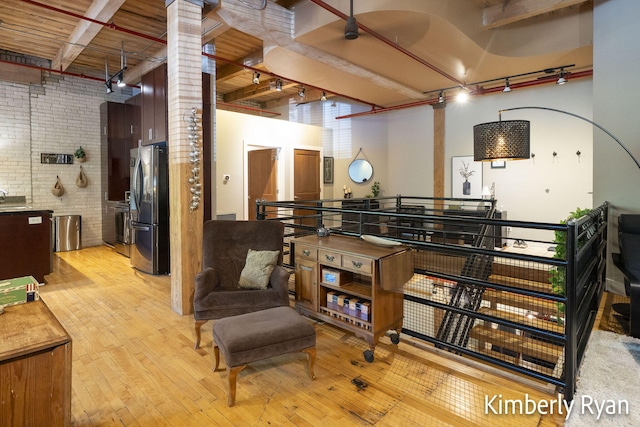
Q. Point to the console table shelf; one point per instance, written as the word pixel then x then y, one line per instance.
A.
pixel 373 278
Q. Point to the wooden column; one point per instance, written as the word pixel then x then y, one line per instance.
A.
pixel 184 89
pixel 438 153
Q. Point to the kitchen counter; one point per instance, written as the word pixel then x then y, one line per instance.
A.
pixel 26 248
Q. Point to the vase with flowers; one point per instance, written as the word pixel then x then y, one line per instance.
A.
pixel 466 173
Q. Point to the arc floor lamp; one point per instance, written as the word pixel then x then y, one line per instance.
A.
pixel 509 139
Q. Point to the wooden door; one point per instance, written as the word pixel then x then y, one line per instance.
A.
pixel 306 184
pixel 263 177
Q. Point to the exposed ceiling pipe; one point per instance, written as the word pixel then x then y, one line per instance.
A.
pixel 95 21
pixel 64 73
pixel 162 41
pixel 479 91
pixel 385 40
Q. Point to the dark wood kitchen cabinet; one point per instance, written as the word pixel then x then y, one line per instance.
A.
pixel 27 248
pixel 154 105
pixel 133 120
pixel 115 151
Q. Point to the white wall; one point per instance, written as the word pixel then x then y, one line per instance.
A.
pixel 544 189
pixel 236 134
pixel 616 58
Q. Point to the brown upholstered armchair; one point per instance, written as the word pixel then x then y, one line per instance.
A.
pixel 224 250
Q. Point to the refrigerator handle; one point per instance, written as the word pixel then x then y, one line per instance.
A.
pixel 136 226
pixel 136 190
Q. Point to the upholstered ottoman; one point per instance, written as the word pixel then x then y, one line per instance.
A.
pixel 259 335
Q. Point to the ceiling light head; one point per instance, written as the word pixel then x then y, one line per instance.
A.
pixel 351 29
pixel 441 97
pixel 121 82
pixel 561 79
pixel 324 96
pixel 301 92
pixel 109 86
pixel 463 95
pixel 279 85
pixel 507 86
pixel 256 78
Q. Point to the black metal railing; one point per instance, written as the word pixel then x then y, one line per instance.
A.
pixel 482 284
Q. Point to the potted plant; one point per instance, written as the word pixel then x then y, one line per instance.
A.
pixel 557 275
pixel 375 190
pixel 80 155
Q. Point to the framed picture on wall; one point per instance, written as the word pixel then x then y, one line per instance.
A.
pixel 466 178
pixel 328 170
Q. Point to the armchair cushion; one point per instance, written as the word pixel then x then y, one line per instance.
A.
pixel 257 269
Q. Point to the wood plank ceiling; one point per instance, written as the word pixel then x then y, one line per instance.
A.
pixel 136 30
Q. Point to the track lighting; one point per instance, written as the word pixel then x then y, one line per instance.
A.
pixel 256 78
pixel 121 82
pixel 507 87
pixel 351 29
pixel 301 93
pixel 324 96
pixel 441 97
pixel 279 85
pixel 561 80
pixel 463 95
pixel 108 85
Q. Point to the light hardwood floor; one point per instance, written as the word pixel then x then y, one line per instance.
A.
pixel 134 365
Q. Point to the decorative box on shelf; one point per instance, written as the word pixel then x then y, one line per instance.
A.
pixel 334 277
pixel 18 291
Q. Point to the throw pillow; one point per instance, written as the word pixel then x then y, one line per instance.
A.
pixel 258 268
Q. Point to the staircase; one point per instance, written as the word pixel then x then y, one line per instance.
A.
pixel 514 345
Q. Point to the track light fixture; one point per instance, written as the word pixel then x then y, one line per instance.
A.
pixel 507 86
pixel 256 78
pixel 121 82
pixel 301 93
pixel 441 97
pixel 561 80
pixel 324 96
pixel 279 85
pixel 109 86
pixel 463 95
pixel 351 29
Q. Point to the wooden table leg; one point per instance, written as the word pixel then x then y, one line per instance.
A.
pixel 233 375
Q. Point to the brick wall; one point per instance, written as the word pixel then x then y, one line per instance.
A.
pixel 56 116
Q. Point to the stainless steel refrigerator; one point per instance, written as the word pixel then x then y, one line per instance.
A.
pixel 149 206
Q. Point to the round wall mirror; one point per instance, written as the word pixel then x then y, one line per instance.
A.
pixel 360 170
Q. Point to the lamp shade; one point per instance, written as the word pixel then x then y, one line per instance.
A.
pixel 502 140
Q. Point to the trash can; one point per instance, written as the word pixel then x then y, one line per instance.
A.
pixel 68 229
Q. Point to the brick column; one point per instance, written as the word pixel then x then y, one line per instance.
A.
pixel 184 62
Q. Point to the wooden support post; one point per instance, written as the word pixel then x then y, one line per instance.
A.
pixel 438 154
pixel 184 75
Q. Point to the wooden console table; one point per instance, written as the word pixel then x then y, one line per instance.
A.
pixel 35 367
pixel 369 277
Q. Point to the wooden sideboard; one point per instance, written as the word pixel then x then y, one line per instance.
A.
pixel 370 277
pixel 35 367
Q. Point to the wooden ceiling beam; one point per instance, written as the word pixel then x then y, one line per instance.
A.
pixel 230 71
pixel 85 31
pixel 249 92
pixel 511 11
